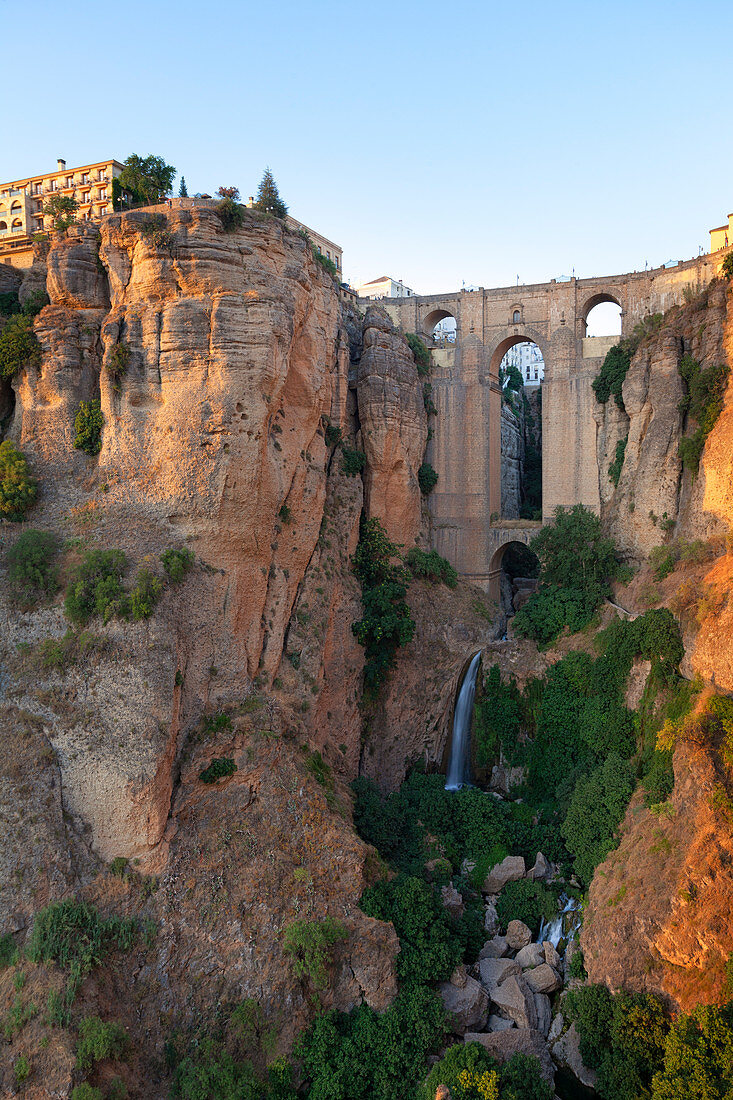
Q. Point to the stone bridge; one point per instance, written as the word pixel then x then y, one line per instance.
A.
pixel 466 445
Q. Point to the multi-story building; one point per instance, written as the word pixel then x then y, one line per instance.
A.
pixel 527 358
pixel 722 236
pixel 21 203
pixel 384 287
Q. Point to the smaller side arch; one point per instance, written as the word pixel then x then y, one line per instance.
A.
pixel 598 299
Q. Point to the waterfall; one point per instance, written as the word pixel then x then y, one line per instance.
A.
pixel 564 926
pixel 459 766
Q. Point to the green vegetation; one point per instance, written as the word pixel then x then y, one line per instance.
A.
pixel 616 364
pixel 332 435
pixel 352 461
pixel 614 470
pixel 268 197
pixel 703 403
pixel 727 266
pixel 229 209
pixel 32 570
pixel 85 1091
pixel 471 1073
pixel 512 384
pixel 577 561
pixel 18 488
pixel 119 358
pixel 155 229
pixel 221 767
pixel 95 587
pixel 427 478
pixel 177 563
pixel 88 426
pixel 19 347
pixel 183 190
pixel 99 1040
pixel 148 179
pixel 327 264
pixel 430 565
pixel 366 1054
pixel 73 935
pixel 8 950
pixel 497 717
pixel 62 209
pixel 60 653
pixel 21 1069
pixel 309 943
pixel 386 624
pixel 530 902
pixel 698 1056
pixel 420 352
pixel 596 810
pixel 144 594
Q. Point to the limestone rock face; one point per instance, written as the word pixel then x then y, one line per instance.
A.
pixel 467 1005
pixel 394 427
pixel 76 277
pixel 566 1052
pixel 512 463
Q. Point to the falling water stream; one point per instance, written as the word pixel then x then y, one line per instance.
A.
pixel 459 765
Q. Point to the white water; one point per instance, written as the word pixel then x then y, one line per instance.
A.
pixel 563 926
pixel 459 763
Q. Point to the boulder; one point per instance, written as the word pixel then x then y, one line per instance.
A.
pixel 495 948
pixel 467 1005
pixel 531 955
pixel 566 1053
pixel 551 956
pixel 544 1012
pixel 542 869
pixel 515 1000
pixel 504 778
pixel 498 1023
pixel 556 1028
pixel 494 971
pixel 452 900
pixel 442 1093
pixel 502 1045
pixel 510 869
pixel 543 979
pixel 459 977
pixel 518 935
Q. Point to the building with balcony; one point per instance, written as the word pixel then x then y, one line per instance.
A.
pixel 722 237
pixel 21 204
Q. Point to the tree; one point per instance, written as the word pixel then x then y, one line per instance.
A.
pixel 18 489
pixel 148 179
pixel 183 190
pixel 62 208
pixel 573 550
pixel 229 193
pixel 268 197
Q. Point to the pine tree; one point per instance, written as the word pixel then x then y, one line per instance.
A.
pixel 183 190
pixel 268 197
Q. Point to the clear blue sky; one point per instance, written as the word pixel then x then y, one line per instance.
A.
pixel 438 143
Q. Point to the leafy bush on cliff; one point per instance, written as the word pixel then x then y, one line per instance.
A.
pixel 698 1056
pixel 99 1040
pixel 427 478
pixel 145 594
pixel 18 489
pixel 530 902
pixel 431 566
pixel 386 624
pixel 496 717
pixel 614 470
pixel 366 1054
pixel 352 461
pixel 703 403
pixel 177 563
pixel 148 179
pixel 209 1071
pixel 470 1073
pixel 88 426
pixel 553 608
pixel 95 587
pixel 429 948
pixel 420 352
pixel 613 371
pixel 596 810
pixel 309 943
pixel 32 569
pixel 327 264
pixel 19 347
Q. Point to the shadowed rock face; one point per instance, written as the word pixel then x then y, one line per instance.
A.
pixel 394 427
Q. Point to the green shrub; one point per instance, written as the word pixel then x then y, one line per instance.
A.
pixel 19 347
pixel 308 944
pixel 698 1056
pixel 9 303
pixel 220 768
pixel 118 360
pixel 32 569
pixel 22 1069
pixel 431 566
pixel 551 609
pixel 8 950
pixel 658 782
pixel 613 371
pixel 231 214
pixel 614 470
pixel 427 478
pixel 386 623
pixel 88 426
pixel 420 352
pixel 596 810
pixel 332 435
pixel 177 563
pixel 352 461
pixel 726 268
pixel 703 403
pixel 99 1040
pixel 577 966
pixel 429 947
pixel 460 1069
pixel 497 718
pixel 663 559
pixel 18 489
pixel 530 902
pixel 326 264
pixel 145 594
pixel 95 587
pixel 366 1054
pixel 85 1091
pixel 155 229
pixel 427 399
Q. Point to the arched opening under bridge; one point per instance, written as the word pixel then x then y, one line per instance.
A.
pixel 521 371
pixel 515 569
pixel 440 327
pixel 602 316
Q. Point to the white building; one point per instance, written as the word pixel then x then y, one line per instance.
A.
pixel 527 358
pixel 384 287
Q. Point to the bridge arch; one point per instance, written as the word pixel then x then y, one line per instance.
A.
pixel 500 541
pixel 434 317
pixel 602 298
pixel 528 336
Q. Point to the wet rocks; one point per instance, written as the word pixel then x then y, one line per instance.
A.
pixel 510 869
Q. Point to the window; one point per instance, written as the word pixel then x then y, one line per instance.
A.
pixel 85 177
pixel 69 181
pixel 37 188
pixel 85 196
pixel 103 192
pixel 517 318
